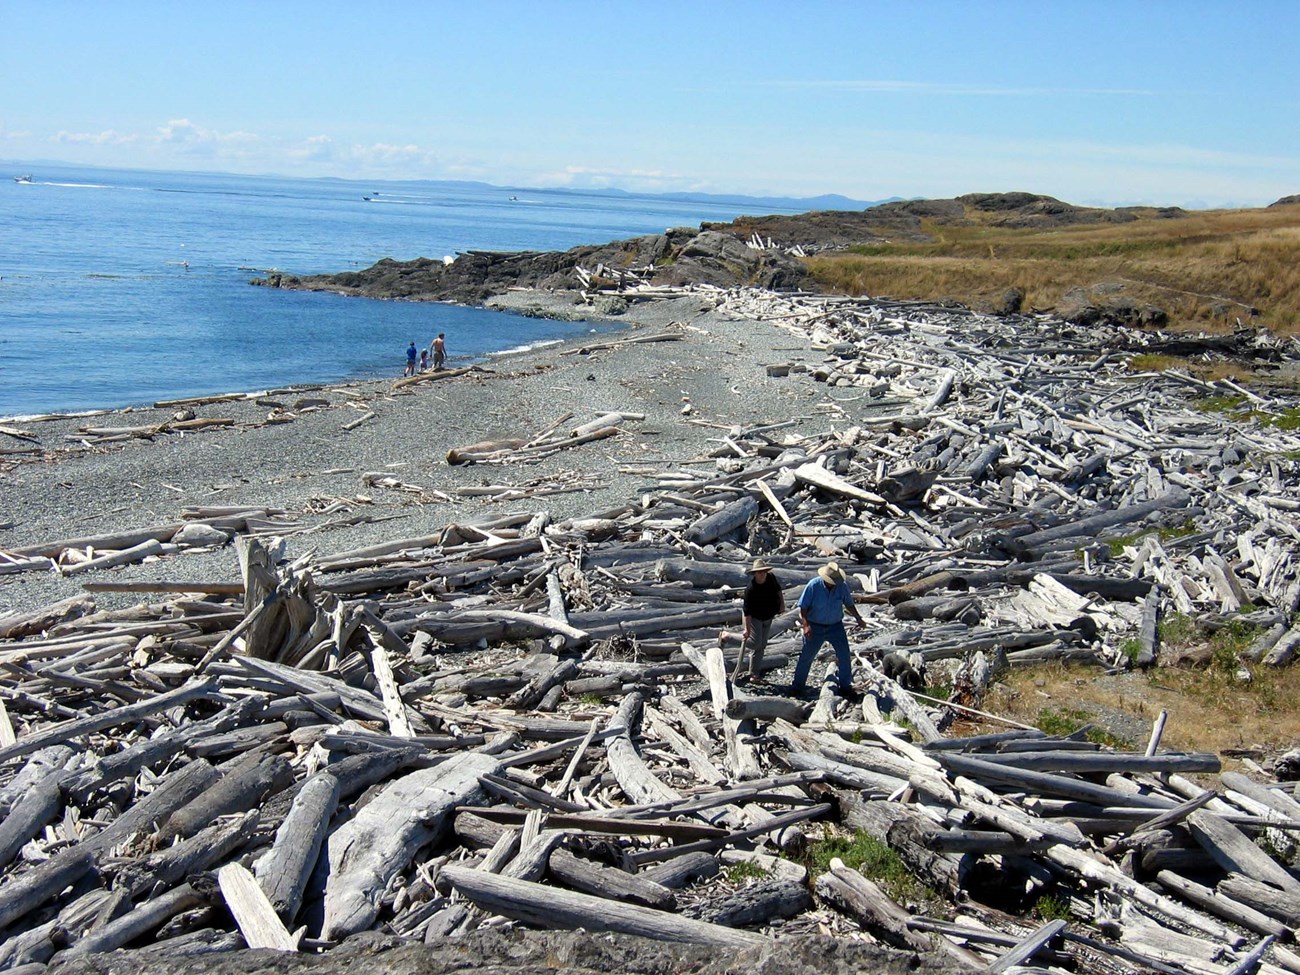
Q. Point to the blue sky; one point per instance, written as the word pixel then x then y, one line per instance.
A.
pixel 1146 101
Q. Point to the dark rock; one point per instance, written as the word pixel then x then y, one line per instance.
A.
pixel 996 202
pixel 680 256
pixel 1010 302
pixel 526 953
pixel 1104 304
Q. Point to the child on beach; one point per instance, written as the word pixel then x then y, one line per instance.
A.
pixel 424 360
pixel 410 360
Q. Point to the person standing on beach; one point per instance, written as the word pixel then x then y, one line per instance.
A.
pixel 821 615
pixel 411 355
pixel 424 359
pixel 439 348
pixel 763 602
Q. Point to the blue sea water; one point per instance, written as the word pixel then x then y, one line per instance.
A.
pixel 122 287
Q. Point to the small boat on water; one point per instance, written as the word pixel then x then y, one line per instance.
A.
pixel 23 179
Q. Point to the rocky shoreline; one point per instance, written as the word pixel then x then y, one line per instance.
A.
pixel 289 450
pixel 759 252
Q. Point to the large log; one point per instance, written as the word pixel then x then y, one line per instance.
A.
pixel 366 852
pixel 15 625
pixel 1233 850
pixel 757 903
pixel 714 575
pixel 237 792
pixel 905 831
pixel 33 887
pixel 1220 905
pixel 729 518
pixel 864 901
pixel 251 910
pixel 1091 526
pixel 552 908
pixel 682 870
pixel 146 815
pixel 143 919
pixel 1262 897
pixel 120 540
pixel 1075 762
pixel 173 864
pixel 767 708
pixel 595 878
pixel 284 870
pixel 1048 783
pixel 27 817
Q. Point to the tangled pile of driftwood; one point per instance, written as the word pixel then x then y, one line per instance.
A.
pixel 519 719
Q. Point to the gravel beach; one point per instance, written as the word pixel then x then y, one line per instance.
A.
pixel 312 462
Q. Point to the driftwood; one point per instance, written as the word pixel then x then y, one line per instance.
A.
pixel 284 870
pixel 556 908
pixel 558 688
pixel 366 852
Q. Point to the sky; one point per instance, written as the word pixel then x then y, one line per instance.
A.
pixel 1166 102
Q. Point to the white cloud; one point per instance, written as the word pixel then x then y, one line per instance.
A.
pixel 588 177
pixel 109 137
pixel 184 135
pixel 319 148
pixel 12 133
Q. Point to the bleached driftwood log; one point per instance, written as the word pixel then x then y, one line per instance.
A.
pixel 365 852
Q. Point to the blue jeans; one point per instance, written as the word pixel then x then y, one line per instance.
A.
pixel 820 633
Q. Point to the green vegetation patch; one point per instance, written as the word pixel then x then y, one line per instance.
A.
pixel 1155 362
pixel 1067 721
pixel 1220 404
pixel 1117 545
pixel 1051 907
pixel 744 870
pixel 869 856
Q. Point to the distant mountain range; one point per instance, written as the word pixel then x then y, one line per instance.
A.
pixel 798 204
pixel 827 201
pixel 760 204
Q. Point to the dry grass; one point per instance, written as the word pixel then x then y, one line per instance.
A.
pixel 1209 710
pixel 1206 269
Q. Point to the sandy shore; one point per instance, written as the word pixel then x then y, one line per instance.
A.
pixel 308 464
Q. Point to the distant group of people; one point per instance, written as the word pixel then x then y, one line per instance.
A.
pixel 417 360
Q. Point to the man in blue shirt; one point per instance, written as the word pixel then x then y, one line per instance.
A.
pixel 821 615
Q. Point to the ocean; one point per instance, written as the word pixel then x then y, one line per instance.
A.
pixel 125 287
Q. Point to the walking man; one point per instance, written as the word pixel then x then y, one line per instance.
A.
pixel 411 355
pixel 763 602
pixel 439 350
pixel 821 615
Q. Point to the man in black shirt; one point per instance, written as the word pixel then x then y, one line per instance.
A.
pixel 763 602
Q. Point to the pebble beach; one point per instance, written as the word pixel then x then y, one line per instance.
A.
pixel 691 392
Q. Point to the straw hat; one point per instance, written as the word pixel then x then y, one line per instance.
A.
pixel 759 566
pixel 831 574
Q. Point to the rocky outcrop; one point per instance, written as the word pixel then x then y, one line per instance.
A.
pixel 1106 304
pixel 1287 201
pixel 750 251
pixel 676 257
pixel 523 952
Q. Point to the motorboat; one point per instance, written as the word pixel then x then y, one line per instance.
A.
pixel 23 179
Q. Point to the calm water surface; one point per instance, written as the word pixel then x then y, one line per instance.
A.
pixel 120 287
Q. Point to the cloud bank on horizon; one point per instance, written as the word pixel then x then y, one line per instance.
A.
pixel 1107 102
